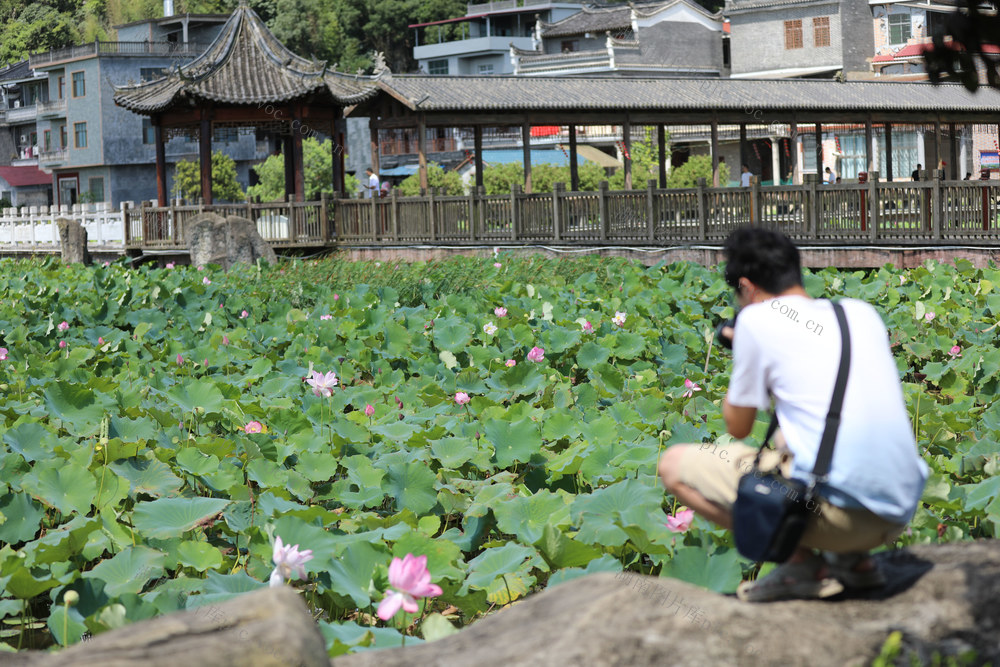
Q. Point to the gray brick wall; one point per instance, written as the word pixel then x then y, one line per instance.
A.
pixel 758 38
pixel 856 24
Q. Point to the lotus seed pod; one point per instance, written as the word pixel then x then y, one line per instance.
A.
pixel 71 598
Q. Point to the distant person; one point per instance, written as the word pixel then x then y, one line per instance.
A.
pixel 372 186
pixel 384 191
pixel 838 180
pixel 745 176
pixel 829 178
pixel 916 173
pixel 968 176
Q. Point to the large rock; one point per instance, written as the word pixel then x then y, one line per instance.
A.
pixel 213 239
pixel 944 599
pixel 267 628
pixel 72 241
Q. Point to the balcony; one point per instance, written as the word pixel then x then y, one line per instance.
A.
pixel 115 49
pixel 52 157
pixel 52 109
pixel 21 114
pixel 463 47
pixel 501 5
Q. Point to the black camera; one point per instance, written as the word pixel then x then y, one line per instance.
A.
pixel 725 340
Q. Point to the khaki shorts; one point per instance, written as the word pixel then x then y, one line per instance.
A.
pixel 715 471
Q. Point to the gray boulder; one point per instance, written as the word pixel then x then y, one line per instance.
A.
pixel 72 241
pixel 213 239
pixel 942 598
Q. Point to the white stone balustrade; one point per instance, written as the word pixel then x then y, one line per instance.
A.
pixel 32 228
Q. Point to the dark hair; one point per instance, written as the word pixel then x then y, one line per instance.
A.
pixel 766 258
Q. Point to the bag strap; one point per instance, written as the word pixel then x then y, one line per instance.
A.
pixel 825 454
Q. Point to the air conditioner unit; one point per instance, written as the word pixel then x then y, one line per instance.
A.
pixel 24 139
pixel 17 104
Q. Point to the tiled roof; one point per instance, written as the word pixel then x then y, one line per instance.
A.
pixel 16 71
pixel 736 7
pixel 20 177
pixel 515 93
pixel 589 19
pixel 245 65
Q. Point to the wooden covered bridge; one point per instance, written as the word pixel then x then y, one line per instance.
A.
pixel 248 78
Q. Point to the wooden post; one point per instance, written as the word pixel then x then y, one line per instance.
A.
pixel 818 134
pixel 873 205
pixel 602 208
pixel 298 166
pixel 953 153
pixel 394 212
pixel 627 157
pixel 515 212
pixel 937 147
pixel 324 209
pixel 651 209
pixel 743 149
pixel 557 189
pixel 161 163
pixel 289 163
pixel 702 211
pixel 715 153
pixel 205 156
pixel 373 145
pixel 422 150
pixel 526 154
pixel 335 150
pixel 661 147
pixel 472 213
pixel 477 139
pixel 755 206
pixel 432 214
pixel 888 152
pixel 868 143
pixel 793 139
pixel 813 208
pixel 574 171
pixel 936 203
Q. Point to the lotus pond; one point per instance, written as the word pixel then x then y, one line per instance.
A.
pixel 500 416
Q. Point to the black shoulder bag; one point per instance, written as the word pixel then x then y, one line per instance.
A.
pixel 771 513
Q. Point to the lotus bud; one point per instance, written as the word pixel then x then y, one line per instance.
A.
pixel 71 598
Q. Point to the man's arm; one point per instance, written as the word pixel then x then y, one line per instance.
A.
pixel 739 420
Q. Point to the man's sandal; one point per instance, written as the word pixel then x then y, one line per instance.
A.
pixel 791 581
pixel 843 567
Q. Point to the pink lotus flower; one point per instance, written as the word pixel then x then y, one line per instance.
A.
pixel 107 263
pixel 180 360
pixel 461 398
pixel 929 317
pixel 691 388
pixel 680 522
pixel 510 363
pixel 225 340
pixel 497 265
pixel 3 354
pixel 289 562
pixel 336 297
pixel 322 384
pixel 619 318
pixel 170 265
pixel 253 427
pixel 955 352
pixel 244 315
pixel 409 580
pixel 588 327
pixel 536 354
pixel 500 311
pixel 326 317
pixel 62 344
pixel 489 328
pixel 100 340
pixel 369 410
pixel 63 326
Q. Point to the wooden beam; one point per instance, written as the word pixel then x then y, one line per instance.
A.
pixel 661 146
pixel 422 151
pixel 574 169
pixel 477 139
pixel 714 148
pixel 526 154
pixel 627 157
pixel 205 156
pixel 161 163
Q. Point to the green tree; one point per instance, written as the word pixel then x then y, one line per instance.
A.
pixel 436 178
pixel 317 163
pixel 497 179
pixel 225 187
pixel 697 166
pixel 645 164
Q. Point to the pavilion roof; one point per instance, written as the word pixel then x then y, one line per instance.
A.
pixel 516 93
pixel 245 65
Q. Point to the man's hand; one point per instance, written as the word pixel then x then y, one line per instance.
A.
pixel 739 420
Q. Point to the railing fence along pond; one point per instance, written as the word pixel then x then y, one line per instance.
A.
pixel 32 228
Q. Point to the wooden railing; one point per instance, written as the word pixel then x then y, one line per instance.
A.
pixel 923 212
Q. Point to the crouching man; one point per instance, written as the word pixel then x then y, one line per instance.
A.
pixel 786 350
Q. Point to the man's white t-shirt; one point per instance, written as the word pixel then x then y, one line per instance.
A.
pixel 789 348
pixel 372 185
pixel 745 179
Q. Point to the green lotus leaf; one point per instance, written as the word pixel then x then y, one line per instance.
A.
pixel 172 517
pixel 147 476
pixel 22 517
pixel 129 570
pixel 68 487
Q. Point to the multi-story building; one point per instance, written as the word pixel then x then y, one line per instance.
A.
pixel 665 38
pixel 795 38
pixel 100 152
pixel 21 90
pixel 479 42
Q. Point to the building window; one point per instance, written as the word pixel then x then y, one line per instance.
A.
pixel 150 73
pixel 226 135
pixel 905 155
pixel 63 137
pixel 569 45
pixel 47 139
pixel 62 86
pixel 437 67
pixel 79 85
pixel 485 70
pixel 853 155
pixel 793 34
pixel 821 31
pixel 97 189
pixel 808 153
pixel 80 135
pixel 148 132
pixel 899 28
